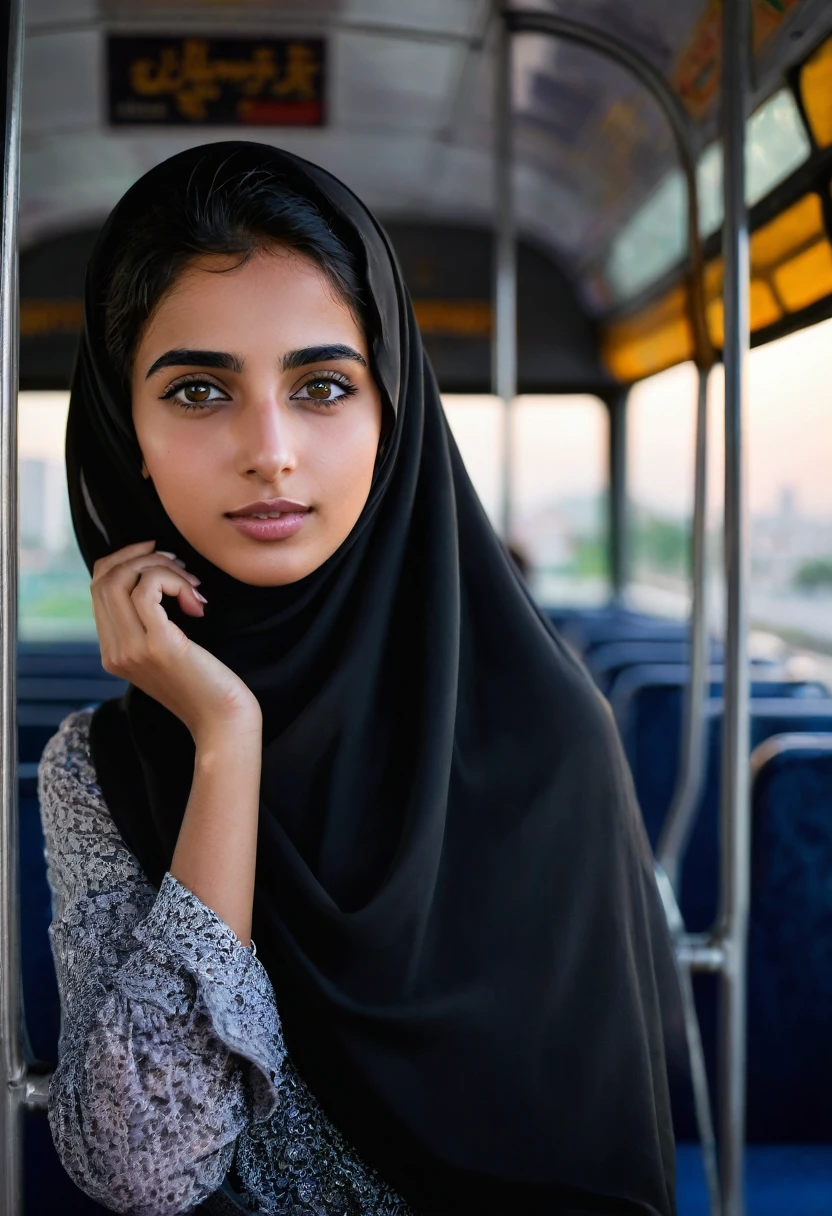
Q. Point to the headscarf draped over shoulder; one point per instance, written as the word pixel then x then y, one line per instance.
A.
pixel 454 895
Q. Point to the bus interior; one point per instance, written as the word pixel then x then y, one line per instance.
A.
pixel 615 222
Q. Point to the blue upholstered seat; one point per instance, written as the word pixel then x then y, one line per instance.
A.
pixel 790 940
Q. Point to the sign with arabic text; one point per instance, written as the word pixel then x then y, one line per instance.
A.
pixel 193 81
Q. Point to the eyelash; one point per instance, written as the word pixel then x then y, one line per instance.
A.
pixel 337 378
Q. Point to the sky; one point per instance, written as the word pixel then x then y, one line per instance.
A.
pixel 788 427
pixel 560 442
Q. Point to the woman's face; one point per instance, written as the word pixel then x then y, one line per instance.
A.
pixel 257 415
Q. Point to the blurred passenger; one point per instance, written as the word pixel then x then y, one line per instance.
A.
pixel 520 560
pixel 348 733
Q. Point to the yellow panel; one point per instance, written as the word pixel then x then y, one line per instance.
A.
pixel 806 278
pixel 763 307
pixel 797 226
pixel 39 317
pixel 660 335
pixel 715 315
pixel 816 91
pixel 639 347
pixel 666 309
pixel 460 318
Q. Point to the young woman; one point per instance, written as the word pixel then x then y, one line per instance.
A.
pixel 348 733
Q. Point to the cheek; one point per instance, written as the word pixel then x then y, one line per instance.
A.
pixel 182 469
pixel 346 458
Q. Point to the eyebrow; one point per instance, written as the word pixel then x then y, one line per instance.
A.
pixel 196 358
pixel 319 354
pixel 233 363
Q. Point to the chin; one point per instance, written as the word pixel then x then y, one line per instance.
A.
pixel 270 573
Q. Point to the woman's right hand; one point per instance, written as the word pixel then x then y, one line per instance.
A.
pixel 141 644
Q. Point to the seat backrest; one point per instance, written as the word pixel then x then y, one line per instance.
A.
pixel 607 661
pixel 44 700
pixel 650 722
pixel 53 681
pixel 586 632
pixel 790 940
pixel 791 861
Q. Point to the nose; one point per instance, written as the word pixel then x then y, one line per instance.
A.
pixel 268 442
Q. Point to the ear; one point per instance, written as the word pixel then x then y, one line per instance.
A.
pixel 145 472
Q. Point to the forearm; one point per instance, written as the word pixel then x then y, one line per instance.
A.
pixel 216 850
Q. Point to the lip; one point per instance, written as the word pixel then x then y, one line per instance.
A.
pixel 292 517
pixel 270 504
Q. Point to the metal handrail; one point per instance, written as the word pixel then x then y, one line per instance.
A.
pixel 15 1085
pixel 732 924
pixel 684 805
pixel 526 21
pixel 504 349
pixel 686 802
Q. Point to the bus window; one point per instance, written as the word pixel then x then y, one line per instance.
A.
pixel 790 496
pixel 54 597
pixel 559 485
pixel 661 429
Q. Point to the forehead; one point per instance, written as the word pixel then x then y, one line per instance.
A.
pixel 277 297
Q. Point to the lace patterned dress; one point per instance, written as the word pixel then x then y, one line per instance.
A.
pixel 173 1075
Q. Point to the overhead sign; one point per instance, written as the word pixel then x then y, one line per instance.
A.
pixel 229 82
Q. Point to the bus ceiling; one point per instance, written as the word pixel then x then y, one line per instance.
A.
pixel 398 101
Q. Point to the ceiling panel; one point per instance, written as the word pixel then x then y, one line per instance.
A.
pixel 380 81
pixel 61 82
pixel 410 106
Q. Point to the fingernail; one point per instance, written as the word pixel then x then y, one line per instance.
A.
pixel 172 556
pixel 201 598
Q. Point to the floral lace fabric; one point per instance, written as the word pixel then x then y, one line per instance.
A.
pixel 172 1068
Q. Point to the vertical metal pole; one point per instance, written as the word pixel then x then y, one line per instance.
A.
pixel 617 405
pixel 504 344
pixel 12 1063
pixel 736 813
pixel 681 816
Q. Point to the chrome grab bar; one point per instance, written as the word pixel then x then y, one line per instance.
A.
pixel 17 1088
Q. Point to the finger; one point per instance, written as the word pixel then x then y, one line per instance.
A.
pixel 149 560
pixel 121 634
pixel 105 564
pixel 147 598
pixel 122 629
pixel 127 573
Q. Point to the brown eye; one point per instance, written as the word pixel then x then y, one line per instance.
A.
pixel 319 390
pixel 324 390
pixel 196 392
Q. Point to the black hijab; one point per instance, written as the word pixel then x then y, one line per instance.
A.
pixel 454 895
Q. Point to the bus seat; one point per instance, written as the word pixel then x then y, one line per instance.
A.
pixel 790 939
pixel 52 659
pixel 789 1049
pixel 590 627
pixel 48 1187
pixel 53 681
pixel 585 638
pixel 44 701
pixel 40 989
pixel 561 615
pixel 608 660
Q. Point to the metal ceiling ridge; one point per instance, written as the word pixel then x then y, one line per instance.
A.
pixel 252 25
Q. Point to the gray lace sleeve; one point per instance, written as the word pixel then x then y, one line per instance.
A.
pixel 170 1042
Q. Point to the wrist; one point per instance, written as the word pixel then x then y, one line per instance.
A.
pixel 241 731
